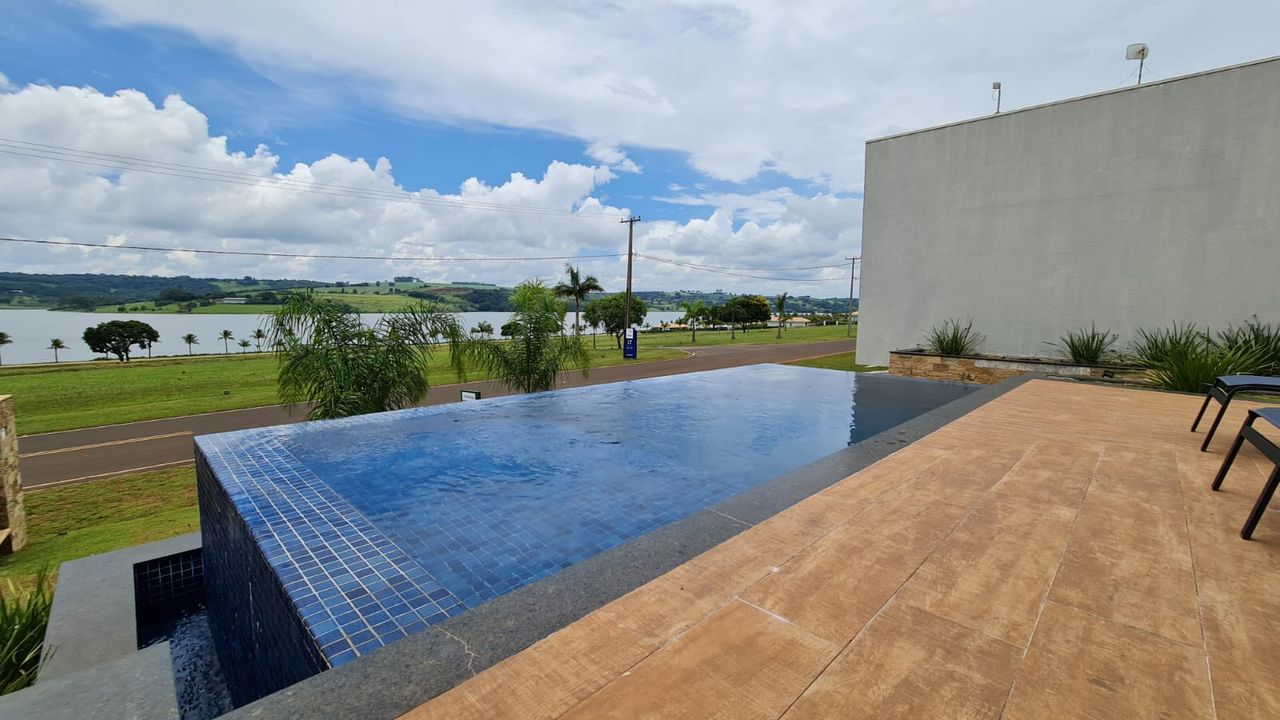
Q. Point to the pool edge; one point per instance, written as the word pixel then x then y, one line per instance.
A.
pixel 403 675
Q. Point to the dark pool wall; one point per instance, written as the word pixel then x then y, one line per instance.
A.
pixel 260 638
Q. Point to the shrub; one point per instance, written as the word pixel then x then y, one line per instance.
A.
pixel 1257 335
pixel 1151 347
pixel 23 620
pixel 954 337
pixel 1087 347
pixel 1186 359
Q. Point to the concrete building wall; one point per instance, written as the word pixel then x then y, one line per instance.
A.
pixel 1132 208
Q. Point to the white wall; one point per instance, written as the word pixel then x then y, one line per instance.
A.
pixel 1133 208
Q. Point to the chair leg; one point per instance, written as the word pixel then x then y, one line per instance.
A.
pixel 1231 455
pixel 1208 438
pixel 1261 506
pixel 1203 406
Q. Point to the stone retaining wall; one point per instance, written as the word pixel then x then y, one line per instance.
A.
pixel 13 517
pixel 989 371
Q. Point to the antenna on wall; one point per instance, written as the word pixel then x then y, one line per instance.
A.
pixel 995 90
pixel 1137 51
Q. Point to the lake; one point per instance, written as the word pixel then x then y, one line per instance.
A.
pixel 31 330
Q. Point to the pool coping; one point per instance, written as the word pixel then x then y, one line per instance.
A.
pixel 401 676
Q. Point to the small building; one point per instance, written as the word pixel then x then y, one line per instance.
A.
pixel 233 300
pixel 793 321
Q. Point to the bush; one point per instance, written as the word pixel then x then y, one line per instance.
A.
pixel 954 337
pixel 23 620
pixel 1187 359
pixel 1258 335
pixel 1151 347
pixel 1087 347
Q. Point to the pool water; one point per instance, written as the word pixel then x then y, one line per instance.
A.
pixel 493 495
pixel 380 525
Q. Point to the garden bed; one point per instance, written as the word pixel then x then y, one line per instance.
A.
pixel 990 369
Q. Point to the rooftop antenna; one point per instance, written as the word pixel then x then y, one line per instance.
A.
pixel 1137 51
pixel 995 90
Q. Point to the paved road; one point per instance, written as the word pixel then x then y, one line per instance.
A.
pixel 73 456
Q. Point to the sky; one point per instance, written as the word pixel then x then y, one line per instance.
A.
pixel 465 139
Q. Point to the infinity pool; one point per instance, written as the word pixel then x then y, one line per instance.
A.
pixel 378 526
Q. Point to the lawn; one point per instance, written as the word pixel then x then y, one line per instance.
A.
pixel 839 361
pixel 80 520
pixel 768 336
pixel 66 397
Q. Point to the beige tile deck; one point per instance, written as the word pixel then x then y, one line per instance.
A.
pixel 1055 553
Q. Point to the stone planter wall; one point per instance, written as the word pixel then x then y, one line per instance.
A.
pixel 13 518
pixel 991 370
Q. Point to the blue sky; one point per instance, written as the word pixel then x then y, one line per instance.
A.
pixel 60 43
pixel 736 130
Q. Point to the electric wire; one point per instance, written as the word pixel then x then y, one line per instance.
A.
pixel 704 268
pixel 111 161
pixel 251 253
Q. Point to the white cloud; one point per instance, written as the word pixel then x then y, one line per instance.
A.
pixel 4 82
pixel 757 84
pixel 339 205
pixel 612 156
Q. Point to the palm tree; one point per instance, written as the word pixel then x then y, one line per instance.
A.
pixel 329 358
pixel 693 312
pixel 258 336
pixel 55 345
pixel 537 350
pixel 4 340
pixel 780 302
pixel 577 288
pixel 190 339
pixel 483 329
pixel 244 346
pixel 225 336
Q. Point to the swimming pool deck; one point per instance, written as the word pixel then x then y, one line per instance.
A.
pixel 1055 553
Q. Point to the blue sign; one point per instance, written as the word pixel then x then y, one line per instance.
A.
pixel 629 342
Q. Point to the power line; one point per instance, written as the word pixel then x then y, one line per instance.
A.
pixel 149 248
pixel 710 269
pixel 111 161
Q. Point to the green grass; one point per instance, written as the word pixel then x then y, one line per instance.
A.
pixel 70 396
pixel 80 520
pixel 768 336
pixel 77 395
pixel 839 361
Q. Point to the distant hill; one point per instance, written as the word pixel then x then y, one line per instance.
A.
pixel 88 290
pixel 186 294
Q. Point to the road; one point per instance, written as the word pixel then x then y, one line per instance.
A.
pixel 60 458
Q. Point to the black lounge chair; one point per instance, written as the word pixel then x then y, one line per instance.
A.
pixel 1268 448
pixel 1224 388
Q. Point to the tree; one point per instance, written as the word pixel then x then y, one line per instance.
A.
pixel 694 312
pixel 4 340
pixel 483 329
pixel 780 303
pixel 576 287
pixel 244 346
pixel 610 312
pixel 329 358
pixel 55 345
pixel 537 351
pixel 225 336
pixel 742 309
pixel 119 336
pixel 173 295
pixel 190 339
pixel 258 336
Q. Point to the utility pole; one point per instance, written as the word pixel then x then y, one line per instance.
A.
pixel 631 226
pixel 853 272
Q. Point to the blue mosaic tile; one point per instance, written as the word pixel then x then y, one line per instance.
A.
pixel 379 526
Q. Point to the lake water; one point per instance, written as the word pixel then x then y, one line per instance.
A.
pixel 31 330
